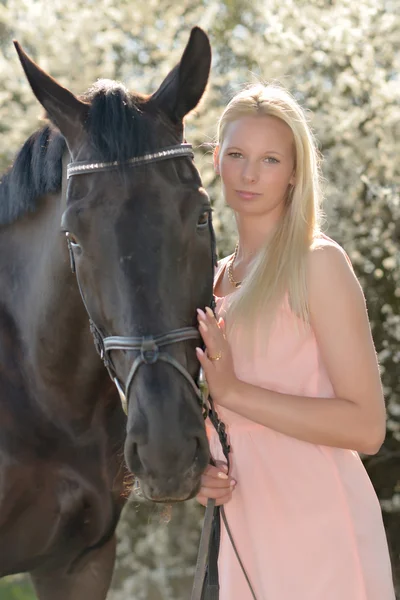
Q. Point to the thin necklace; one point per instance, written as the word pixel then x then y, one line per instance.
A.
pixel 231 278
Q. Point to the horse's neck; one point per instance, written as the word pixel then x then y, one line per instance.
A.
pixel 61 368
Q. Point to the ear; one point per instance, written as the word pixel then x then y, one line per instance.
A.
pixel 63 108
pixel 216 160
pixel 181 90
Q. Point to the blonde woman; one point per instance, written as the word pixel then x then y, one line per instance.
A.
pixel 295 377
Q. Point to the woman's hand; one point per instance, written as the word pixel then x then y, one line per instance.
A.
pixel 217 361
pixel 215 483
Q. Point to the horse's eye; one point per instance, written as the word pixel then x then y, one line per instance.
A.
pixel 72 240
pixel 203 219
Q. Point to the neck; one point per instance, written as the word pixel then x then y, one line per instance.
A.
pixel 254 232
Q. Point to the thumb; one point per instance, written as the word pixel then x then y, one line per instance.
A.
pixel 221 465
pixel 203 360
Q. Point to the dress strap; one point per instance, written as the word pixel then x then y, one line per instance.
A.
pixel 219 269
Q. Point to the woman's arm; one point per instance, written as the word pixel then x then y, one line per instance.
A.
pixel 355 417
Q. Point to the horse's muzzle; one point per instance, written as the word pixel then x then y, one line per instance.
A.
pixel 169 472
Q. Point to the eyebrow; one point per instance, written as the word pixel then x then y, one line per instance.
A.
pixel 265 152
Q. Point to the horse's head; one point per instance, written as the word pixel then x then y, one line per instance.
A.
pixel 142 242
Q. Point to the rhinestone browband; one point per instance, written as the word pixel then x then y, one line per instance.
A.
pixel 79 168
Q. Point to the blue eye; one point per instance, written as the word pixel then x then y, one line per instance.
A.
pixel 271 159
pixel 235 154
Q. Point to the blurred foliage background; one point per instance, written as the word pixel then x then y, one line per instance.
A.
pixel 341 61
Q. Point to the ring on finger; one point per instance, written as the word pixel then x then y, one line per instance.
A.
pixel 217 356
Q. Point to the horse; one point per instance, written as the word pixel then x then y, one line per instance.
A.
pixel 108 187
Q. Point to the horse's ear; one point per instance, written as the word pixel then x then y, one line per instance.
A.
pixel 64 109
pixel 183 87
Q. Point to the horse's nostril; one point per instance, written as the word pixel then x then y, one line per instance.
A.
pixel 87 510
pixel 202 453
pixel 132 456
pixel 197 450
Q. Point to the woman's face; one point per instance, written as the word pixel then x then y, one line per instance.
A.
pixel 256 163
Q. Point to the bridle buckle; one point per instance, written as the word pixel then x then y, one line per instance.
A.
pixel 149 351
pixel 97 338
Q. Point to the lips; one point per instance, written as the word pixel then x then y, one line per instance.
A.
pixel 247 195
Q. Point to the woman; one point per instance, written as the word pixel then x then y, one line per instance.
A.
pixel 295 377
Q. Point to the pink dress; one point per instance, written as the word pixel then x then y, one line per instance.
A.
pixel 305 518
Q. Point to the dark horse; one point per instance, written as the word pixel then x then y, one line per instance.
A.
pixel 142 241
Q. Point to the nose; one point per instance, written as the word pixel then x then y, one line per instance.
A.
pixel 166 445
pixel 250 172
pixel 168 466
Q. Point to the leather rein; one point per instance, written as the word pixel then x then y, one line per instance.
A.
pixel 150 351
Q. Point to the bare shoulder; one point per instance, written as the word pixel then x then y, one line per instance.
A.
pixel 327 262
pixel 325 251
pixel 331 280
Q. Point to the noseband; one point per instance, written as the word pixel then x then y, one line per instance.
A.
pixel 149 347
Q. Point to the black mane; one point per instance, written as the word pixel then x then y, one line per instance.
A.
pixel 37 170
pixel 117 127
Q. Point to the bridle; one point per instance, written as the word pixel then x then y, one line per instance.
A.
pixel 150 353
pixel 149 347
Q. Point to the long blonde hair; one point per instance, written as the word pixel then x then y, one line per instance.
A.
pixel 280 266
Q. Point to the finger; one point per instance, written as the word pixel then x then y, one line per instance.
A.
pixel 202 500
pixel 201 314
pixel 212 492
pixel 212 337
pixel 216 331
pixel 216 474
pixel 217 477
pixel 208 319
pixel 213 482
pixel 217 326
pixel 211 320
pixel 214 470
pixel 221 465
pixel 219 472
pixel 205 332
pixel 204 361
pixel 210 314
pixel 224 499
